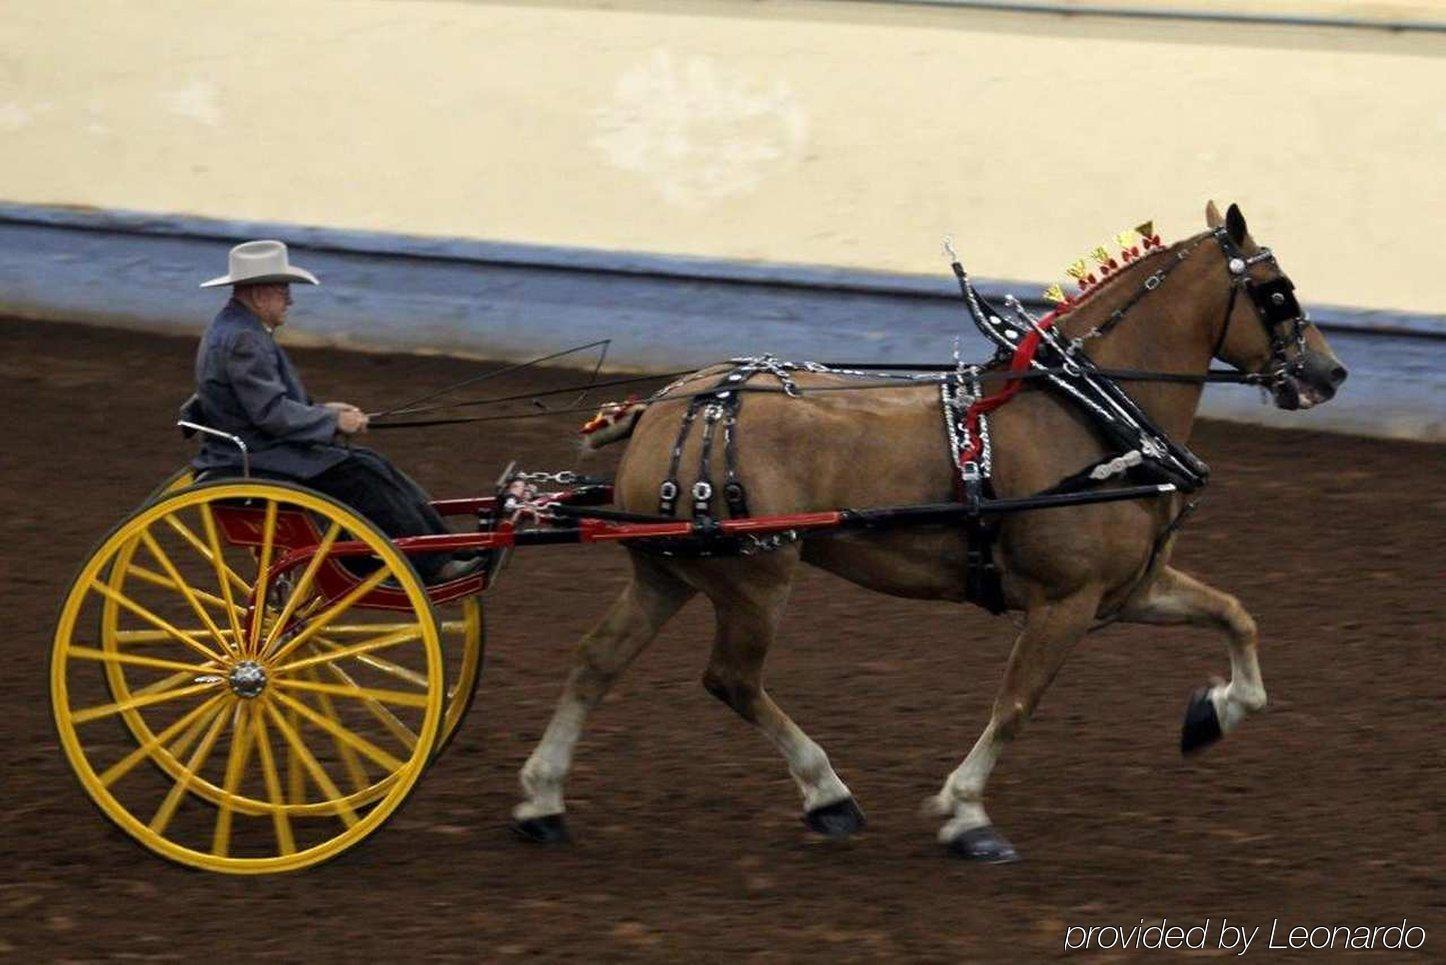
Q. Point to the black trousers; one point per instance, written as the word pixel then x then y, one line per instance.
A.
pixel 388 497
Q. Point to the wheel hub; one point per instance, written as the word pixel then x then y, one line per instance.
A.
pixel 247 679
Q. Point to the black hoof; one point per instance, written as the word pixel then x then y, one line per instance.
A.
pixel 548 829
pixel 983 845
pixel 1202 725
pixel 837 820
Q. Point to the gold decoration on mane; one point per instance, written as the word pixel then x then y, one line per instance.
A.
pixel 1133 244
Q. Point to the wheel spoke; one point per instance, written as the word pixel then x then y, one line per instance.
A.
pixel 168 683
pixel 200 547
pixel 142 637
pixel 154 620
pixel 160 579
pixel 384 665
pixel 355 769
pixel 399 697
pixel 105 710
pixel 344 810
pixel 396 637
pixel 303 586
pixel 362 629
pixel 285 842
pixel 223 574
pixel 389 720
pixel 126 764
pixel 167 810
pixel 346 736
pixel 159 555
pixel 295 776
pixel 108 656
pixel 263 573
pixel 235 766
pixel 319 623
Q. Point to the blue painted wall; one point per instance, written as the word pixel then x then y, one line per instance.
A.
pixel 511 302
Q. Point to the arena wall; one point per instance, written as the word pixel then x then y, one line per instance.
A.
pixel 748 143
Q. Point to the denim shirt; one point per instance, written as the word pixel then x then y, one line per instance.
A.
pixel 246 386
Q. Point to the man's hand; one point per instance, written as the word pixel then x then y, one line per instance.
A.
pixel 349 419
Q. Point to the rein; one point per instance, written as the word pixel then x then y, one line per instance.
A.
pixel 1219 376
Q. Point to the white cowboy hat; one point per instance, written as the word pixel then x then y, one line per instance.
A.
pixel 261 263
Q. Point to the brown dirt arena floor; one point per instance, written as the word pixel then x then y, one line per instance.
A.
pixel 1325 810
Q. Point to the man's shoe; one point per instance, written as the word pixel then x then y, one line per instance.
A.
pixel 456 569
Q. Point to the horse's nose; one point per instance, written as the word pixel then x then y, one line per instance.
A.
pixel 1338 375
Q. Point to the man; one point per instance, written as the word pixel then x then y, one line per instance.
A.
pixel 247 386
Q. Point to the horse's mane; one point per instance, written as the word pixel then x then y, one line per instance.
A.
pixel 1089 294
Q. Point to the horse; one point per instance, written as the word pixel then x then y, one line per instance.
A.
pixel 1065 569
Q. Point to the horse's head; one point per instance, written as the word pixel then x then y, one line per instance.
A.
pixel 1265 329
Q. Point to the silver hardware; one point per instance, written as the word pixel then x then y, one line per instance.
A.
pixel 702 490
pixel 1153 282
pixel 668 490
pixel 1237 266
pixel 247 679
pixel 1278 298
pixel 234 440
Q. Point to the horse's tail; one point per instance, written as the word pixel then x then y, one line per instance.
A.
pixel 614 422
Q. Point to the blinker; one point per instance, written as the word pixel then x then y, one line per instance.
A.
pixel 1276 300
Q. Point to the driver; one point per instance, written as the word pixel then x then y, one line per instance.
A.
pixel 247 386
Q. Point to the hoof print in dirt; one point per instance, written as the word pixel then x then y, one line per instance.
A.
pixel 1202 725
pixel 548 829
pixel 984 845
pixel 837 820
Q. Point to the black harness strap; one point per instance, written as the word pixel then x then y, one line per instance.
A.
pixel 703 488
pixel 718 404
pixel 733 492
pixel 668 491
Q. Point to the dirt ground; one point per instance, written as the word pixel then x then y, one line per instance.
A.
pixel 1325 810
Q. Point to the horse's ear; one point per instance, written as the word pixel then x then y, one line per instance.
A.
pixel 1235 224
pixel 1212 215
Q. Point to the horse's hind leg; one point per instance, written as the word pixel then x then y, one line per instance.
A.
pixel 748 598
pixel 1174 598
pixel 649 601
pixel 1050 632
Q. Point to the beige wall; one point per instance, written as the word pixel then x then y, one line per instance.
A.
pixel 824 132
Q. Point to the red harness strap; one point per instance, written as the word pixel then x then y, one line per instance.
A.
pixel 1023 357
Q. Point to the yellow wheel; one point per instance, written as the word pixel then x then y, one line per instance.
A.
pixel 280 734
pixel 463 637
pixel 173 483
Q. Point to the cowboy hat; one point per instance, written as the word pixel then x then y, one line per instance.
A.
pixel 261 263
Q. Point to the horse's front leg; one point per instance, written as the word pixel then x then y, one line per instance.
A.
pixel 652 597
pixel 1050 632
pixel 1173 598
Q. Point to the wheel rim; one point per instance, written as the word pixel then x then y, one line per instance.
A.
pixel 306 735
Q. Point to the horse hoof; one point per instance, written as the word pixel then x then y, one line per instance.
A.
pixel 983 844
pixel 548 829
pixel 1202 724
pixel 837 820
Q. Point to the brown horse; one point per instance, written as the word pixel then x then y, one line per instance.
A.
pixel 1064 568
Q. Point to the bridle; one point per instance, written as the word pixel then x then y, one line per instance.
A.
pixel 1273 300
pixel 1275 305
